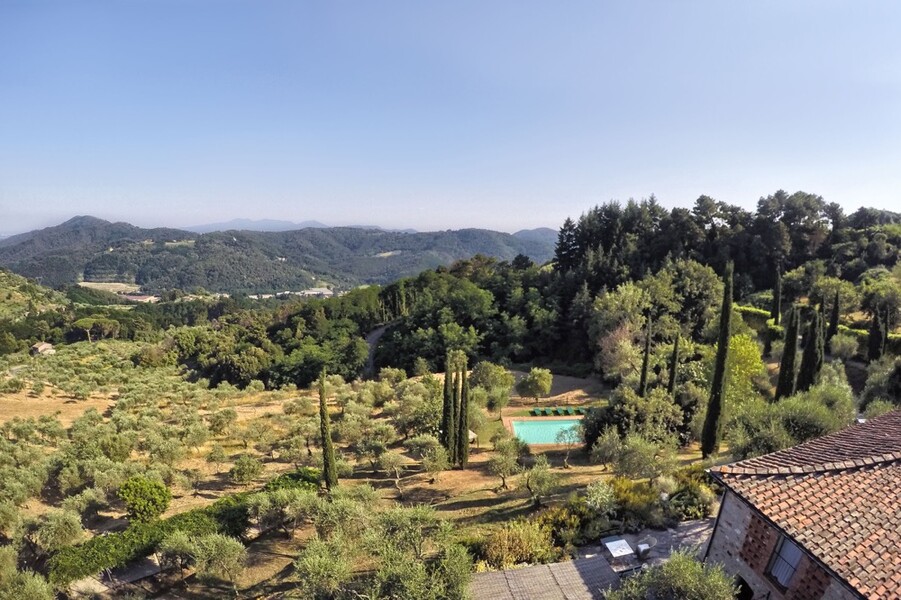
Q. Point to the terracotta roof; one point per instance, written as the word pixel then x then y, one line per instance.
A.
pixel 839 497
pixel 877 440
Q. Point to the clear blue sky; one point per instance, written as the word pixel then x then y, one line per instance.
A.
pixel 437 115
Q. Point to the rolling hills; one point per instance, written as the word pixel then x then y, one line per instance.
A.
pixel 91 249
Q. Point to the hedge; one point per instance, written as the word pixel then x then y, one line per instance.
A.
pixel 228 515
pixel 756 318
pixel 862 335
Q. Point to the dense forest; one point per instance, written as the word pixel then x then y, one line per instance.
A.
pixel 701 335
pixel 90 249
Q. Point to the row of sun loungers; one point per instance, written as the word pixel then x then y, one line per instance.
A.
pixel 556 412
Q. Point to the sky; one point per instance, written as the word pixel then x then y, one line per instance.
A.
pixel 439 115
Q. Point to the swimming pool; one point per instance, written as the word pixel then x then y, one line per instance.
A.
pixel 540 431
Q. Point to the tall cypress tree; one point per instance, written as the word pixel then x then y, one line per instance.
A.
pixel 646 359
pixel 776 311
pixel 673 368
pixel 876 337
pixel 833 323
pixel 449 414
pixel 812 357
pixel 710 435
pixel 785 386
pixel 874 340
pixel 463 421
pixel 329 468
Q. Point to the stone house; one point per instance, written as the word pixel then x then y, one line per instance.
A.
pixel 819 520
pixel 42 348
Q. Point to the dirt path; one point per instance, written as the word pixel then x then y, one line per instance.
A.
pixel 372 338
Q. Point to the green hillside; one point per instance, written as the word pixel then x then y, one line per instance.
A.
pixel 90 249
pixel 20 297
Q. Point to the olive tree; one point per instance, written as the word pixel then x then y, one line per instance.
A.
pixel 220 557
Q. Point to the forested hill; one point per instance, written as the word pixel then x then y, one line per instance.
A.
pixel 246 261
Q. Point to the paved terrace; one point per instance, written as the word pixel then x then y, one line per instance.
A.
pixel 587 576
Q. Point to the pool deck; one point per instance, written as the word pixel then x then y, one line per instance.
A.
pixel 508 424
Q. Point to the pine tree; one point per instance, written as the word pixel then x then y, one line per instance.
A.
pixel 710 435
pixel 833 323
pixel 776 311
pixel 673 368
pixel 566 252
pixel 329 467
pixel 876 337
pixel 812 356
pixel 643 382
pixel 463 421
pixel 785 386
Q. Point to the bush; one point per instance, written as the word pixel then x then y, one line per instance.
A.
pixel 306 478
pixel 227 516
pixel 518 542
pixel 245 469
pixel 145 499
pixel 692 501
pixel 682 577
pixel 844 346
pixel 639 504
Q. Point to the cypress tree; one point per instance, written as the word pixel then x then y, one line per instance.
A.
pixel 776 311
pixel 646 359
pixel 673 368
pixel 785 386
pixel 875 338
pixel 833 323
pixel 812 357
pixel 329 468
pixel 463 422
pixel 710 435
pixel 449 414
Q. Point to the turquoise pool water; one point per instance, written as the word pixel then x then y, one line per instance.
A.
pixel 540 431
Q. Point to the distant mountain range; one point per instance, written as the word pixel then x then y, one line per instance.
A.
pixel 244 260
pixel 275 225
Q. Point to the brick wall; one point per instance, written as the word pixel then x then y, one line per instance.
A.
pixel 743 543
pixel 727 546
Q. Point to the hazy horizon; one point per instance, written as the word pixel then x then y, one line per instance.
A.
pixel 504 116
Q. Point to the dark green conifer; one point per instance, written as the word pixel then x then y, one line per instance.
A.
pixel 449 414
pixel 812 356
pixel 710 435
pixel 776 311
pixel 673 368
pixel 833 323
pixel 876 339
pixel 463 421
pixel 785 386
pixel 329 467
pixel 646 359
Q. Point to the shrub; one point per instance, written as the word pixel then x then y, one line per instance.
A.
pixel 682 577
pixel 518 542
pixel 144 498
pixel 245 469
pixel 306 478
pixel 692 501
pixel 638 504
pixel 844 346
pixel 600 497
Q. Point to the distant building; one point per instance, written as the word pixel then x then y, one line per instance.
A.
pixel 42 348
pixel 820 520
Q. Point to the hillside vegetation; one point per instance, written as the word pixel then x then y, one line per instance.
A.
pixel 85 248
pixel 265 448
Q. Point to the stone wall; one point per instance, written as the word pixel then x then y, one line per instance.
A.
pixel 744 543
